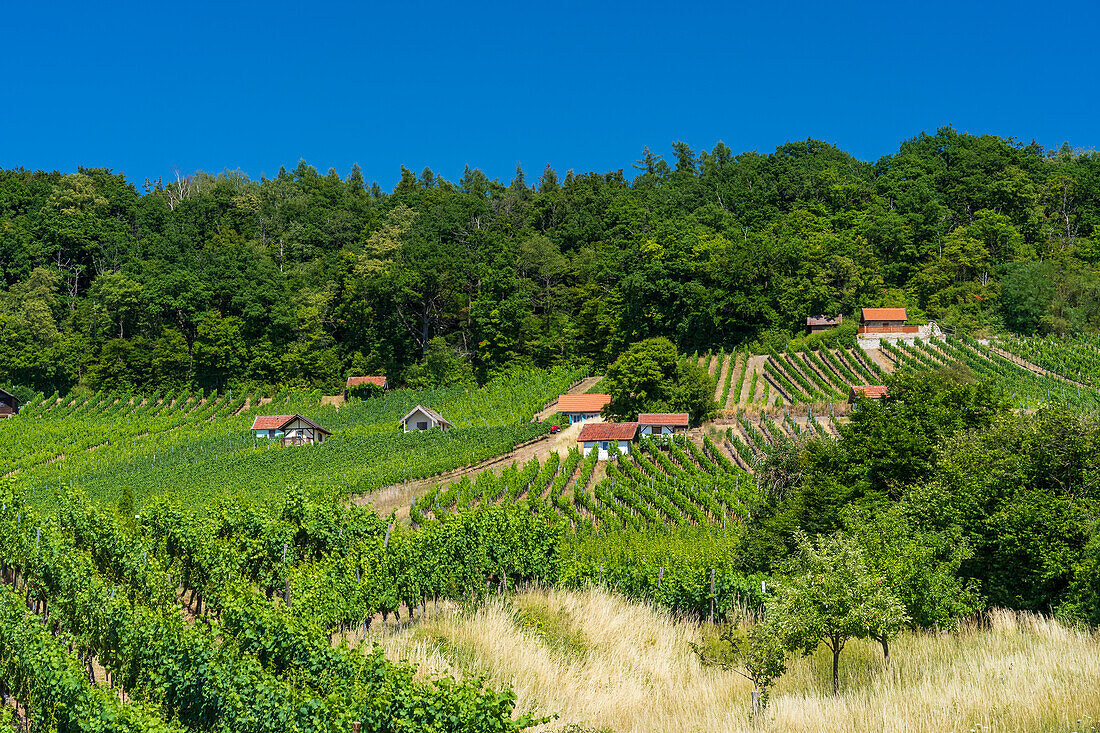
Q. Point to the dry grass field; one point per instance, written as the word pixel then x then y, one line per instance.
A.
pixel 603 663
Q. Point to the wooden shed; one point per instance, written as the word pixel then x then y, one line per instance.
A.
pixel 424 418
pixel 817 324
pixel 581 407
pixel 9 404
pixel 289 429
pixel 663 423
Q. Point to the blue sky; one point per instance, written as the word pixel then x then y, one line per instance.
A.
pixel 143 88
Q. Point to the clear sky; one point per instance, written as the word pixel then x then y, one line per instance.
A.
pixel 145 87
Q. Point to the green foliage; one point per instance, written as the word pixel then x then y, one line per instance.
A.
pixel 222 282
pixel 443 366
pixel 828 594
pixel 756 653
pixel 651 377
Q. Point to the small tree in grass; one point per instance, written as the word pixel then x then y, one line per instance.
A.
pixel 755 653
pixel 828 594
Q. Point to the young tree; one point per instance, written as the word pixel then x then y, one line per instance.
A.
pixel 828 594
pixel 755 653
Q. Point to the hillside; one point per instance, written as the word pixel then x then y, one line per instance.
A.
pixel 218 282
pixel 160 562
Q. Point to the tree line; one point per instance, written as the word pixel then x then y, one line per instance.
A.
pixel 216 281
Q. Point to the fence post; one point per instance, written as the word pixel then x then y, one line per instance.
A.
pixel 710 618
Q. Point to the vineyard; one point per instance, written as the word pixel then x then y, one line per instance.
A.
pixel 108 444
pixel 162 569
pixel 1025 387
pixel 745 380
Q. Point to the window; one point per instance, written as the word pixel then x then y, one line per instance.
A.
pixel 603 445
pixel 422 425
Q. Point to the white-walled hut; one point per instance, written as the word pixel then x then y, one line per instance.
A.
pixel 424 418
pixel 289 429
pixel 607 437
pixel 581 407
pixel 663 423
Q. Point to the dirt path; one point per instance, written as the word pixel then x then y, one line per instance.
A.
pixel 580 387
pixel 753 367
pixel 721 381
pixel 879 358
pixel 737 365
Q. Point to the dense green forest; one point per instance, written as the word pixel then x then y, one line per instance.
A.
pixel 215 281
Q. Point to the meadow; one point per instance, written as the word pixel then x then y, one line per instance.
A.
pixel 604 663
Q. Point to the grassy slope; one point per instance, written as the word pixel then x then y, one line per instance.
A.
pixel 607 663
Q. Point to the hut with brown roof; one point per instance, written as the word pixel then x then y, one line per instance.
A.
pixel 581 407
pixel 606 437
pixel 662 423
pixel 817 324
pixel 289 429
pixel 353 382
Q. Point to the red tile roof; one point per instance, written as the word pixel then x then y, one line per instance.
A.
pixel 884 314
pixel 825 320
pixel 571 403
pixel 675 419
pixel 356 381
pixel 597 431
pixel 870 391
pixel 278 422
pixel 271 422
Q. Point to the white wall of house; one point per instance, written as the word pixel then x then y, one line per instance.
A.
pixel 658 430
pixel 420 420
pixel 606 448
pixel 299 430
pixel 576 417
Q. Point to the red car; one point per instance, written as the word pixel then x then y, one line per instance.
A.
pixel 555 428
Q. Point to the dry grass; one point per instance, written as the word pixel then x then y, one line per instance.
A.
pixel 609 664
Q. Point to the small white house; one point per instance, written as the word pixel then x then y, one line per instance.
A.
pixel 607 438
pixel 663 423
pixel 290 429
pixel 580 407
pixel 424 418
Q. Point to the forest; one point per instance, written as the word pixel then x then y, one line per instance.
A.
pixel 216 281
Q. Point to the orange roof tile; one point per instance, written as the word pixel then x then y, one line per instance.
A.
pixel 884 314
pixel 593 432
pixel 278 422
pixel 570 403
pixel 870 391
pixel 675 419
pixel 270 422
pixel 356 381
